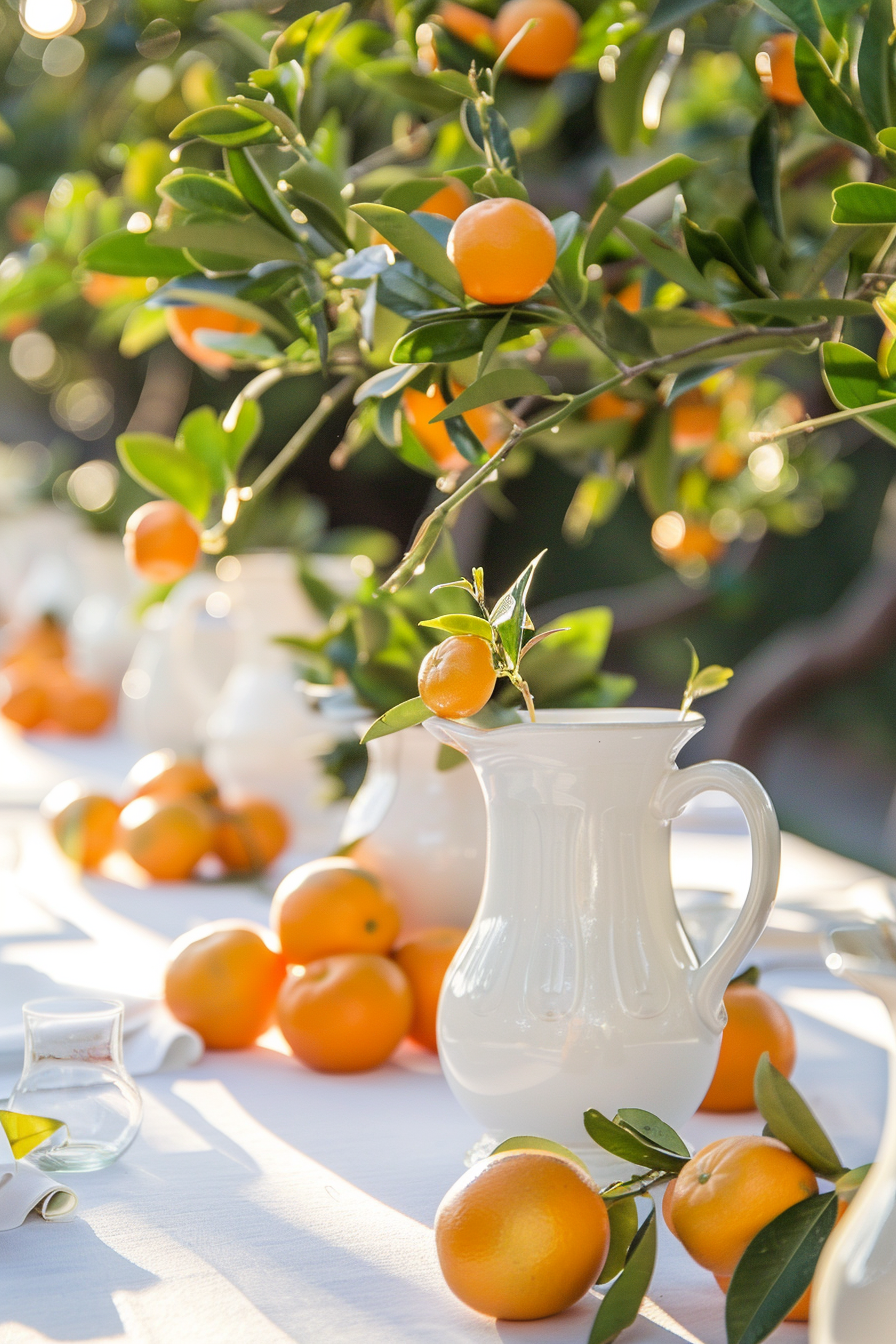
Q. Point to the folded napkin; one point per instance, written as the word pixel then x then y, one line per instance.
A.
pixel 26 1189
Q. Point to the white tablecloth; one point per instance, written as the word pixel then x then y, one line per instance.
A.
pixel 265 1203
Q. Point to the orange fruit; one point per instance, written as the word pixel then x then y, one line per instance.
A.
pixel 698 543
pixel 630 296
pixel 548 47
pixel 504 250
pixel 161 541
pixel 722 461
pixel 522 1235
pixel 183 323
pixel 332 906
pixel 42 640
pixel 420 407
pixel 83 823
pixel 425 957
pixel 222 980
pixel 610 406
pixel 457 677
pixel 695 421
pixel 99 289
pixel 345 1014
pixel 799 1312
pixel 756 1024
pixel 77 706
pixel 783 87
pixel 452 199
pixel 23 694
pixel 251 836
pixel 476 29
pixel 166 837
pixel 729 1192
pixel 163 774
pixel 25 217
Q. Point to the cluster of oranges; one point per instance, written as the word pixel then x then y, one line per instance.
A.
pixel 525 1233
pixel 544 51
pixel 38 689
pixel 171 819
pixel 332 971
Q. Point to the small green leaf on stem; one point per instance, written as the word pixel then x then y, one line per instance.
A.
pixel 790 1119
pixel 623 1215
pixel 405 715
pixel 630 1146
pixel 461 625
pixel 542 1145
pixel 656 1131
pixel 703 681
pixel 622 1301
pixel 748 977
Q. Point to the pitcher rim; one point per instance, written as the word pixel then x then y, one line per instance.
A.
pixel 621 717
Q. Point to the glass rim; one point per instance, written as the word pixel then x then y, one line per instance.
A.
pixel 67 1006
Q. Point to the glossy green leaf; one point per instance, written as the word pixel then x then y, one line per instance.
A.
pixel 323 29
pixel 776 1268
pixel 405 715
pixel 803 14
pixel 239 345
pixel 595 501
pixel 226 125
pixel 565 228
pixel 791 1120
pixel 387 382
pixel 143 328
pixel 447 340
pixel 290 45
pixel 864 203
pixel 622 1300
pixel 269 112
pixel 25 1132
pixel 124 253
pixel 447 758
pixel 571 657
pixel 826 98
pixel 164 469
pixel 413 193
pixel 201 437
pixel 465 440
pixel 850 1182
pixel 493 339
pixel 499 385
pixel 460 625
pixel 626 332
pixel 630 193
pixel 630 1147
pixel 706 245
pixel 509 617
pixel 710 679
pixel 245 430
pixel 285 83
pixel 799 310
pixel 495 184
pixel 189 293
pixel 196 191
pixel 252 240
pixel 258 191
pixel 875 62
pixel 530 1141
pixel 414 242
pixel 623 1215
pixel 655 1130
pixel 765 172
pixel 396 76
pixel 663 257
pixel 852 379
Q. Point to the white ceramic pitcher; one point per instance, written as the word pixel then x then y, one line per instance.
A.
pixel 576 985
pixel 854 1293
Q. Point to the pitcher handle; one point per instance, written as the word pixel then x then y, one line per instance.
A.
pixel 712 977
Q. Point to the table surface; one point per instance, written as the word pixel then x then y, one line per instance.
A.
pixel 264 1203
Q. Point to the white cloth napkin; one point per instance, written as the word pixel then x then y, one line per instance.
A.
pixel 26 1189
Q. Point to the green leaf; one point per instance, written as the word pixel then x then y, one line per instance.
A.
pixel 852 379
pixel 595 501
pixel 25 1132
pixel 651 1127
pixel 202 438
pixel 529 1141
pixel 164 469
pixel 268 112
pixel 448 339
pixel 706 245
pixel 874 64
pixel 847 1184
pixel 509 617
pixel 413 241
pixel 791 1120
pixel 245 431
pixel 499 385
pixel 197 191
pixel 571 657
pixel 656 469
pixel 623 1215
pixel 663 257
pixel 143 328
pixel 864 203
pixel 799 310
pixel 460 625
pixel 495 336
pixel 710 679
pixel 188 293
pixel 258 191
pixel 826 98
pixel 619 104
pixel 630 193
pixel 290 45
pixel 626 332
pixel 622 1300
pixel 765 170
pixel 396 76
pixel 413 193
pixel 387 382
pixel 751 976
pixel 448 758
pixel 405 715
pixel 673 13
pixel 240 345
pixel 803 14
pixel 229 125
pixel 495 183
pixel 630 1147
pixel 565 228
pixel 465 440
pixel 123 253
pixel 777 1267
pixel 250 241
pixel 285 83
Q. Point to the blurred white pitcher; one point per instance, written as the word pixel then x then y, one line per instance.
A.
pixel 262 738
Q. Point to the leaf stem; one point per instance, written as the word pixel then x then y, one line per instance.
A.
pixel 819 422
pixel 583 325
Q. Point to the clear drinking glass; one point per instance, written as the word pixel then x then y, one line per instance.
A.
pixel 74 1072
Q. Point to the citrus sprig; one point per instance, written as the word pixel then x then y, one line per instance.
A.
pixel 502 627
pixel 703 680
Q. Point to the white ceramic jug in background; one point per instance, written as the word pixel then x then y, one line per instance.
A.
pixel 179 665
pixel 854 1291
pixel 262 737
pixel 422 830
pixel 576 985
pixel 104 629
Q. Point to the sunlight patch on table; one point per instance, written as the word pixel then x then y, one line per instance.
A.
pixel 848 1010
